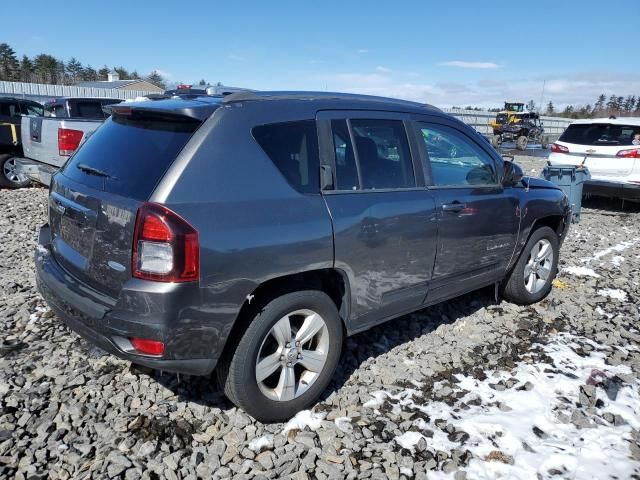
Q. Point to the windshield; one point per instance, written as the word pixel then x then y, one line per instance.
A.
pixel 129 157
pixel 601 134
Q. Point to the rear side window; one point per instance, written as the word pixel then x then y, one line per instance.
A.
pixel 602 134
pixel 32 109
pixel 455 159
pixel 383 154
pixel 134 153
pixel 293 148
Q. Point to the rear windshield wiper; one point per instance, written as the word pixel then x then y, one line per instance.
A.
pixel 93 171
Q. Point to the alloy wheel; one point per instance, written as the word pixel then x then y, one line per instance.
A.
pixel 292 355
pixel 538 268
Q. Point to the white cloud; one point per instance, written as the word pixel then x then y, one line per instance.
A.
pixel 382 69
pixel 363 50
pixel 473 65
pixel 575 89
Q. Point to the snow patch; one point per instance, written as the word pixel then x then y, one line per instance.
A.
pixel 614 293
pixel 259 443
pixel 581 272
pixel 533 428
pixel 305 418
pixel 617 260
pixel 343 424
pixel 409 440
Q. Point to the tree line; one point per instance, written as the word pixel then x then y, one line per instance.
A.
pixel 604 106
pixel 44 68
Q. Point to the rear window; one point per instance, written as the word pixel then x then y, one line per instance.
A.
pixel 601 134
pixel 293 148
pixel 134 153
pixel 87 109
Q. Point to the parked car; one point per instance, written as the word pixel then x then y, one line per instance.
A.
pixel 48 141
pixel 610 148
pixel 250 234
pixel 11 112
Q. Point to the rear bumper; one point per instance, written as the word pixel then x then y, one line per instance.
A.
pixel 626 191
pixel 36 171
pixel 102 321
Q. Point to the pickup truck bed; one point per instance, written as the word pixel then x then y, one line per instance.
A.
pixel 43 143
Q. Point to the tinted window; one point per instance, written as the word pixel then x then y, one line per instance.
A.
pixel 455 159
pixel 9 109
pixel 87 109
pixel 32 109
pixel 134 153
pixel 55 110
pixel 293 148
pixel 346 170
pixel 383 154
pixel 601 134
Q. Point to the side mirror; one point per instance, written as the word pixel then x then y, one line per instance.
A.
pixel 512 174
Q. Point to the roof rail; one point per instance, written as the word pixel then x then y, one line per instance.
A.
pixel 239 96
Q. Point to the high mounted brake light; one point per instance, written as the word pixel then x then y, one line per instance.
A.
pixel 165 247
pixel 631 153
pixel 557 148
pixel 68 141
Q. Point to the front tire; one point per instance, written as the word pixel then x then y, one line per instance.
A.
pixel 286 357
pixel 531 278
pixel 521 142
pixel 9 177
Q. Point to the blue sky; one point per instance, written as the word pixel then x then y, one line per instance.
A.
pixel 445 53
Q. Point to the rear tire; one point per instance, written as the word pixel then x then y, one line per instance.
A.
pixel 531 278
pixel 496 141
pixel 9 178
pixel 521 142
pixel 280 366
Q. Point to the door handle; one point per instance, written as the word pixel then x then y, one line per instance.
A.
pixel 453 207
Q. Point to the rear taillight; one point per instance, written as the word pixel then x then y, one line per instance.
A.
pixel 148 347
pixel 68 141
pixel 165 246
pixel 556 148
pixel 631 153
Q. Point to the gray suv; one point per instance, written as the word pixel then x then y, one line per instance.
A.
pixel 251 234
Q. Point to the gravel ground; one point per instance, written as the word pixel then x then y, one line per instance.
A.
pixel 465 389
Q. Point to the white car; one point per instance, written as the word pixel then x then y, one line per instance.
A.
pixel 610 148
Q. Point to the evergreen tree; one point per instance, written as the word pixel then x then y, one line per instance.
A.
pixel 46 68
pixel 550 108
pixel 26 69
pixel 155 78
pixel 8 63
pixel 103 73
pixel 123 73
pixel 89 74
pixel 135 75
pixel 74 69
pixel 629 103
pixel 599 105
pixel 202 82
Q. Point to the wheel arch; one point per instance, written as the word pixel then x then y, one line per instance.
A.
pixel 332 281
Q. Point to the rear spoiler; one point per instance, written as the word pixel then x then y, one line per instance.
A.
pixel 198 113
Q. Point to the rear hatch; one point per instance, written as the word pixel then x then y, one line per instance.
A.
pixel 95 198
pixel 605 148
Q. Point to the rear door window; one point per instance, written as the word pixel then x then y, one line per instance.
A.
pixel 293 148
pixel 134 153
pixel 32 109
pixel 601 134
pixel 455 159
pixel 383 154
pixel 9 109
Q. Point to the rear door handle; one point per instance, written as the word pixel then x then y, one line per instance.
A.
pixel 453 207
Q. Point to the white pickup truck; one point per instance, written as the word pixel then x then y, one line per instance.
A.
pixel 47 142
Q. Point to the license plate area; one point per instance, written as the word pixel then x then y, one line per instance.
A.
pixel 73 229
